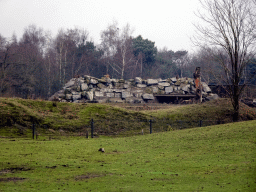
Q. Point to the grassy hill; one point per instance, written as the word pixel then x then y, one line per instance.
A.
pixel 214 158
pixel 18 114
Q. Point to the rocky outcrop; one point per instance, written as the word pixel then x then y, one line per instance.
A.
pixel 91 89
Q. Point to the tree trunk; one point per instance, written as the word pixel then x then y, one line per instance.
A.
pixel 236 103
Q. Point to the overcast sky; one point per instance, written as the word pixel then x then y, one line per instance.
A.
pixel 165 22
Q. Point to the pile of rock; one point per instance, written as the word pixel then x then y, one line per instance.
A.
pixel 103 90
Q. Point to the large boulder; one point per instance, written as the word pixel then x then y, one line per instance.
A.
pixel 126 94
pixel 68 96
pixel 76 96
pixel 185 88
pixel 148 96
pixel 206 88
pixel 84 86
pixel 212 97
pixel 89 95
pixel 155 89
pixel 138 80
pixel 70 83
pixel 110 94
pixel 152 82
pixel 141 85
pixel 174 79
pixel 164 84
pixel 99 94
pixel 168 90
pixel 93 81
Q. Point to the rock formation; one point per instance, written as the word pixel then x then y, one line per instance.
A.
pixel 103 90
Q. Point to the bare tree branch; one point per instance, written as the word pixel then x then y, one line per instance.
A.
pixel 229 30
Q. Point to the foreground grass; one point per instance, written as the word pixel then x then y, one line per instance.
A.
pixel 216 158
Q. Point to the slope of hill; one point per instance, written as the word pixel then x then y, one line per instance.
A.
pixel 15 112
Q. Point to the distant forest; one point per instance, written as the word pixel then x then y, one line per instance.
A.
pixel 37 65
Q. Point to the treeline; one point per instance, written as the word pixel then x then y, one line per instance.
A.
pixel 37 65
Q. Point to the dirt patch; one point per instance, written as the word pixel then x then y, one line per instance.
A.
pixel 11 179
pixel 88 176
pixel 52 167
pixel 5 171
pixel 14 169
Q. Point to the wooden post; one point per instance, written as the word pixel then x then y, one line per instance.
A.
pixel 34 130
pixel 150 124
pixel 92 127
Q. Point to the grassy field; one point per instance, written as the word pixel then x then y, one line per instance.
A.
pixel 17 116
pixel 215 158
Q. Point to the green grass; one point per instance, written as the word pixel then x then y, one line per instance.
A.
pixel 215 158
pixel 17 115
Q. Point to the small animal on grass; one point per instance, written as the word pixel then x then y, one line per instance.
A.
pixel 102 150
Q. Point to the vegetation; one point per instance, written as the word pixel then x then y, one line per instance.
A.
pixel 215 158
pixel 228 35
pixel 18 115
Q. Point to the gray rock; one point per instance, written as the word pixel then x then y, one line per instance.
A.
pixel 93 81
pixel 141 85
pixel 106 90
pixel 206 88
pixel 68 96
pixel 138 80
pixel 174 80
pixel 155 89
pixel 110 94
pixel 61 95
pixel 168 90
pixel 185 88
pixel 152 82
pixel 75 93
pixel 129 100
pixel 70 83
pixel 212 97
pixel 110 86
pixel 83 93
pixel 115 100
pixel 148 96
pixel 126 94
pixel 76 97
pixel 138 100
pixel 161 87
pixel 113 80
pixel 101 86
pixel 89 95
pixel 118 90
pixel 118 95
pixel 137 95
pixel 99 94
pixel 84 86
pixel 126 86
pixel 164 84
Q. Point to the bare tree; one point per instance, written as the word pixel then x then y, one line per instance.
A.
pixel 6 60
pixel 66 44
pixel 229 31
pixel 117 45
